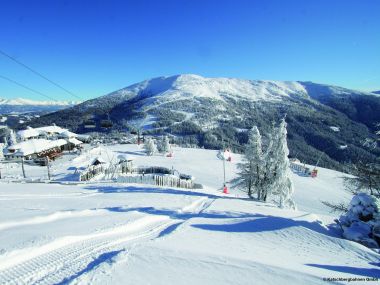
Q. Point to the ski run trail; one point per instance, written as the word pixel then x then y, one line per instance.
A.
pixel 58 262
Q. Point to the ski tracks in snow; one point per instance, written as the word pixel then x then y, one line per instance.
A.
pixel 60 261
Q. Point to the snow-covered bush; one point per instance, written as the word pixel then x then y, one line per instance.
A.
pixel 150 147
pixel 361 223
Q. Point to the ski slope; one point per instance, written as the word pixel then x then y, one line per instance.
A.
pixel 112 233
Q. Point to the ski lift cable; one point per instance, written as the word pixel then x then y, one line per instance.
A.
pixel 39 74
pixel 26 87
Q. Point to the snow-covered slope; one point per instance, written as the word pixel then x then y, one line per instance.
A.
pixel 107 233
pixel 189 86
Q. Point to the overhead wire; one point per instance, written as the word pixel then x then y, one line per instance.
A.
pixel 39 74
pixel 26 87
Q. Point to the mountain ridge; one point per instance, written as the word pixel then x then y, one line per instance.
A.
pixel 23 101
pixel 202 111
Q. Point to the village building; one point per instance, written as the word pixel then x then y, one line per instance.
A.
pixel 48 141
pixel 48 132
pixel 35 148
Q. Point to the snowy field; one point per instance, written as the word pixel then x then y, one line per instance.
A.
pixel 111 233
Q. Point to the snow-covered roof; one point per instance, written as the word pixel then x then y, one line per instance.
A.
pixel 35 132
pixel 28 133
pixel 74 141
pixel 68 134
pixel 51 129
pixel 335 129
pixel 82 136
pixel 123 157
pixel 99 160
pixel 33 146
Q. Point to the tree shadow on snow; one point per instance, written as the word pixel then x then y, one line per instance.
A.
pixel 132 189
pixel 367 272
pixel 253 223
pixel 184 215
pixel 264 223
pixel 105 257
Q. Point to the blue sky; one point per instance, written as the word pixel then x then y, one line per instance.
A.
pixel 96 47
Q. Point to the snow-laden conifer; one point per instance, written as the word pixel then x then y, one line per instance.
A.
pixel 12 139
pixel 252 167
pixel 281 184
pixel 150 147
pixel 164 145
pixel 266 171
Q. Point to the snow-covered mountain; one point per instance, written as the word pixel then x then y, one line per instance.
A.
pixel 22 101
pixel 204 111
pixel 21 105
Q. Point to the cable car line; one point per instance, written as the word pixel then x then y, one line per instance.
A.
pixel 26 87
pixel 39 74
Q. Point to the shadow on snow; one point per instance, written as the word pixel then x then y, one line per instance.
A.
pixel 132 189
pixel 105 257
pixel 253 223
pixel 265 223
pixel 367 272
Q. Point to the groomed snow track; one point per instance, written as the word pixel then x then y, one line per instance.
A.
pixel 66 258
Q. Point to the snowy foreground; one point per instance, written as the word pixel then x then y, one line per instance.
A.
pixel 110 233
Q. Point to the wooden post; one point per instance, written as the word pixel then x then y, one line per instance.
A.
pixel 22 167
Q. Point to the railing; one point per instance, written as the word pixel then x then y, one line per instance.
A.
pixel 153 175
pixel 300 169
pixel 158 180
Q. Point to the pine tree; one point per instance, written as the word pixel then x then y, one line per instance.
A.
pixel 164 145
pixel 266 172
pixel 281 184
pixel 12 138
pixel 2 147
pixel 251 169
pixel 150 147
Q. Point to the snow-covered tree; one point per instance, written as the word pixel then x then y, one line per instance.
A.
pixel 361 219
pixel 12 138
pixel 366 174
pixel 281 184
pixel 251 170
pixel 164 145
pixel 361 223
pixel 2 147
pixel 150 146
pixel 266 172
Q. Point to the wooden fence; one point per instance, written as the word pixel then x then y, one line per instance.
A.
pixel 153 175
pixel 301 169
pixel 159 180
pixel 93 171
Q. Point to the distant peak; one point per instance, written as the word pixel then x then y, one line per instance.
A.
pixel 22 101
